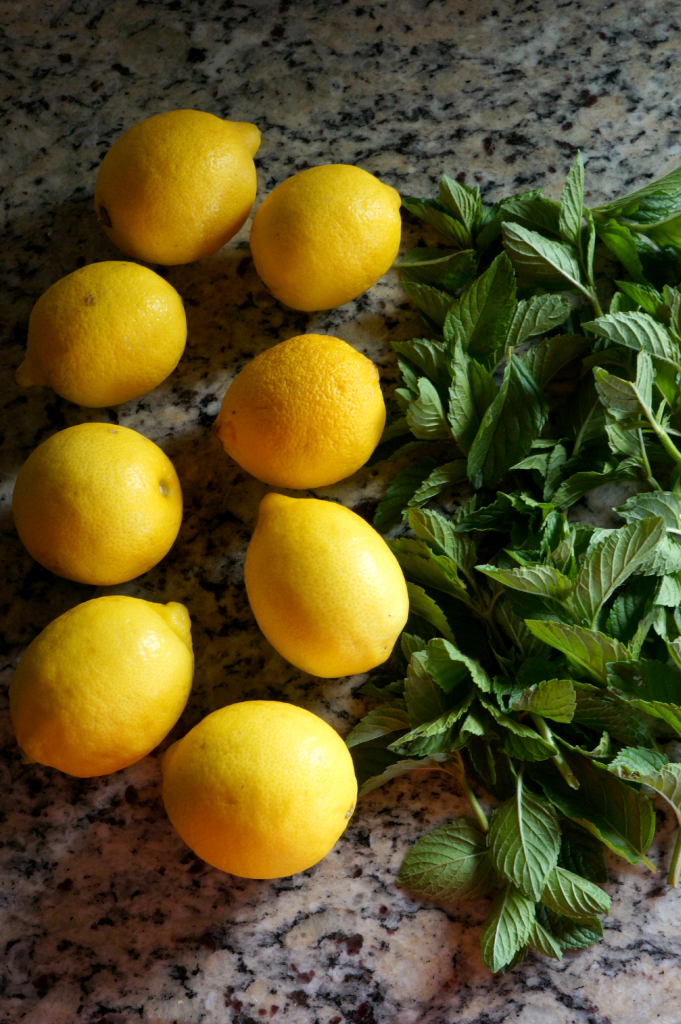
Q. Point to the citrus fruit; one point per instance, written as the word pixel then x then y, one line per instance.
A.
pixel 176 187
pixel 102 684
pixel 97 503
pixel 104 334
pixel 305 413
pixel 261 789
pixel 325 588
pixel 325 235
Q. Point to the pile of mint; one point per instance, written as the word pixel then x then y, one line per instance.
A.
pixel 541 662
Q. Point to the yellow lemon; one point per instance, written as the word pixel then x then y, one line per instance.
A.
pixel 305 413
pixel 325 235
pixel 260 789
pixel 103 684
pixel 176 187
pixel 325 588
pixel 105 334
pixel 97 503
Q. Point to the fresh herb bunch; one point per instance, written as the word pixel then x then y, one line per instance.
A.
pixel 542 657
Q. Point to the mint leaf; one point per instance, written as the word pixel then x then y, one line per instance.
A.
pixel 551 698
pixel 424 606
pixel 471 393
pixel 545 942
pixel 569 934
pixel 667 187
pixel 587 649
pixel 484 311
pixel 582 853
pixel 509 426
pixel 400 491
pixel 427 355
pixel 524 840
pixel 552 355
pixel 447 271
pixel 572 896
pixel 541 260
pixel 604 711
pixel 632 762
pixel 535 316
pixel 432 527
pixel 432 303
pixel 507 928
pixel 436 726
pixel 637 331
pixel 610 563
pixel 392 771
pixel 571 203
pixel 464 203
pixel 387 718
pixel 443 476
pixel 611 810
pixel 450 863
pixel 436 215
pixel 420 564
pixel 665 504
pixel 425 414
pixel 543 580
pixel 647 679
pixel 622 243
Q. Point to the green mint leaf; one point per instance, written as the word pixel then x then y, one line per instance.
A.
pixel 571 203
pixel 532 210
pixel 670 714
pixel 541 260
pixel 425 414
pixel 471 393
pixel 462 202
pixel 586 649
pixel 610 563
pixel 665 232
pixel 485 309
pixel 632 762
pixel 385 719
pixel 384 693
pixel 426 355
pixel 443 723
pixel 665 780
pixel 503 513
pixel 647 679
pixel 520 740
pixel 665 504
pixel 444 476
pixel 668 187
pixel 622 243
pixel 582 853
pixel 604 711
pixel 450 863
pixel 535 316
pixel 569 934
pixel 579 484
pixel 445 662
pixel 391 771
pixel 425 698
pixel 610 809
pixel 507 928
pixel 543 580
pixel 421 565
pixel 436 215
pixel 399 491
pixel 422 605
pixel 524 840
pixel 643 295
pixel 545 942
pixel 637 331
pixel 432 303
pixel 447 271
pixel 574 897
pixel 551 698
pixel 509 426
pixel 552 355
pixel 437 531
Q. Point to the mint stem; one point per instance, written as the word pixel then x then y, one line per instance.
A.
pixel 675 863
pixel 558 759
pixel 646 464
pixel 480 815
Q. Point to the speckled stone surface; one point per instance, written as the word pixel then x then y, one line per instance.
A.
pixel 107 917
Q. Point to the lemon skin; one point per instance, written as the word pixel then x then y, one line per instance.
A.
pixel 325 235
pixel 177 186
pixel 324 587
pixel 102 685
pixel 260 789
pixel 306 413
pixel 104 334
pixel 97 503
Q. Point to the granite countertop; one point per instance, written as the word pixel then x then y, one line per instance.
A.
pixel 108 918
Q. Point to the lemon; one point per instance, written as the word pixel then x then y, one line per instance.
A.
pixel 260 789
pixel 325 588
pixel 104 334
pixel 103 684
pixel 305 413
pixel 176 187
pixel 97 503
pixel 325 235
